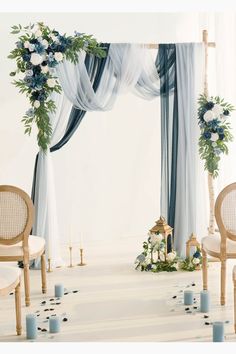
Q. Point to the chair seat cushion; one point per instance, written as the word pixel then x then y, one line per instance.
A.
pixel 8 276
pixel 212 244
pixel 36 247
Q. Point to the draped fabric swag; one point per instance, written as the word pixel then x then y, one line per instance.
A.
pixel 94 85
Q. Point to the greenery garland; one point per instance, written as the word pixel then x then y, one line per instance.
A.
pixel 153 257
pixel 38 51
pixel 213 114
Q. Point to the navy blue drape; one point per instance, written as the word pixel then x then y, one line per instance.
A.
pixel 166 67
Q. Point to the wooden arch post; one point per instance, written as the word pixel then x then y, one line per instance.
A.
pixel 211 228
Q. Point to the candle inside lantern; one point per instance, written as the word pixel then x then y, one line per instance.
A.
pixel 204 301
pixel 188 297
pixel 31 326
pixel 218 331
pixel 54 324
pixel 59 290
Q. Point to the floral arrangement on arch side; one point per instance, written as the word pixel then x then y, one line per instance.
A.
pixel 153 256
pixel 38 51
pixel 213 114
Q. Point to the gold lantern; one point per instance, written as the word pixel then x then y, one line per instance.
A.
pixel 192 242
pixel 166 231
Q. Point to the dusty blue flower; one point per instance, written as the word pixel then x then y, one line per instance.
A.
pixel 19 45
pixel 30 112
pixel 221 136
pixel 141 258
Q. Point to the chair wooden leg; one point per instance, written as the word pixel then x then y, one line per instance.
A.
pixel 27 284
pixel 223 282
pixel 234 281
pixel 43 274
pixel 18 309
pixel 204 269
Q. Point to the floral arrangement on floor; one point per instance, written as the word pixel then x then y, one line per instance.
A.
pixel 38 51
pixel 192 263
pixel 215 128
pixel 153 256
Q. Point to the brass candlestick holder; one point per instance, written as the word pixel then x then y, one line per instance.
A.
pixel 49 266
pixel 70 250
pixel 81 258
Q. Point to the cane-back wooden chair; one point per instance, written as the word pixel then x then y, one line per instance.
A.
pixel 16 243
pixel 10 281
pixel 222 246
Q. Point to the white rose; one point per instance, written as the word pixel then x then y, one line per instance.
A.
pixel 45 43
pixel 36 59
pixel 51 82
pixel 162 256
pixel 54 38
pixel 58 56
pixel 214 136
pixel 170 256
pixel 26 44
pixel 208 116
pixel 196 261
pixel 217 110
pixel 36 104
pixel 44 69
pixel 38 33
pixel 31 47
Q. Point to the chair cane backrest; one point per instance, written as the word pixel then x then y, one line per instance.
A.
pixel 225 212
pixel 16 214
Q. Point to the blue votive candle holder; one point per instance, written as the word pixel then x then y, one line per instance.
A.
pixel 218 331
pixel 188 297
pixel 54 324
pixel 31 326
pixel 204 301
pixel 59 290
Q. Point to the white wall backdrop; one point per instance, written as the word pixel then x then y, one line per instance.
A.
pixel 108 175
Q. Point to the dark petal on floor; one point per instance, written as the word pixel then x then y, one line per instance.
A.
pixel 39 328
pixel 58 303
pixel 51 300
pixel 195 307
pixel 44 330
pixel 193 284
pixel 187 308
pixel 65 319
pixel 227 321
pixel 43 302
pixel 75 291
pixel 206 316
pixel 207 323
pixel 66 293
pixel 174 297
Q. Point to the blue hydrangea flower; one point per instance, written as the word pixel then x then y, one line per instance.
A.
pixel 221 136
pixel 26 57
pixel 226 112
pixel 197 254
pixel 149 266
pixel 39 48
pixel 209 105
pixel 42 96
pixel 207 135
pixel 220 130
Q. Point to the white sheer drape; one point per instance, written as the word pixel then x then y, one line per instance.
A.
pixel 189 66
pixel 46 223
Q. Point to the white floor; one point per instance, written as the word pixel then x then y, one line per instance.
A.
pixel 117 303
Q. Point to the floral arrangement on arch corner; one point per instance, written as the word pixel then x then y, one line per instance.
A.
pixel 37 53
pixel 153 257
pixel 213 114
